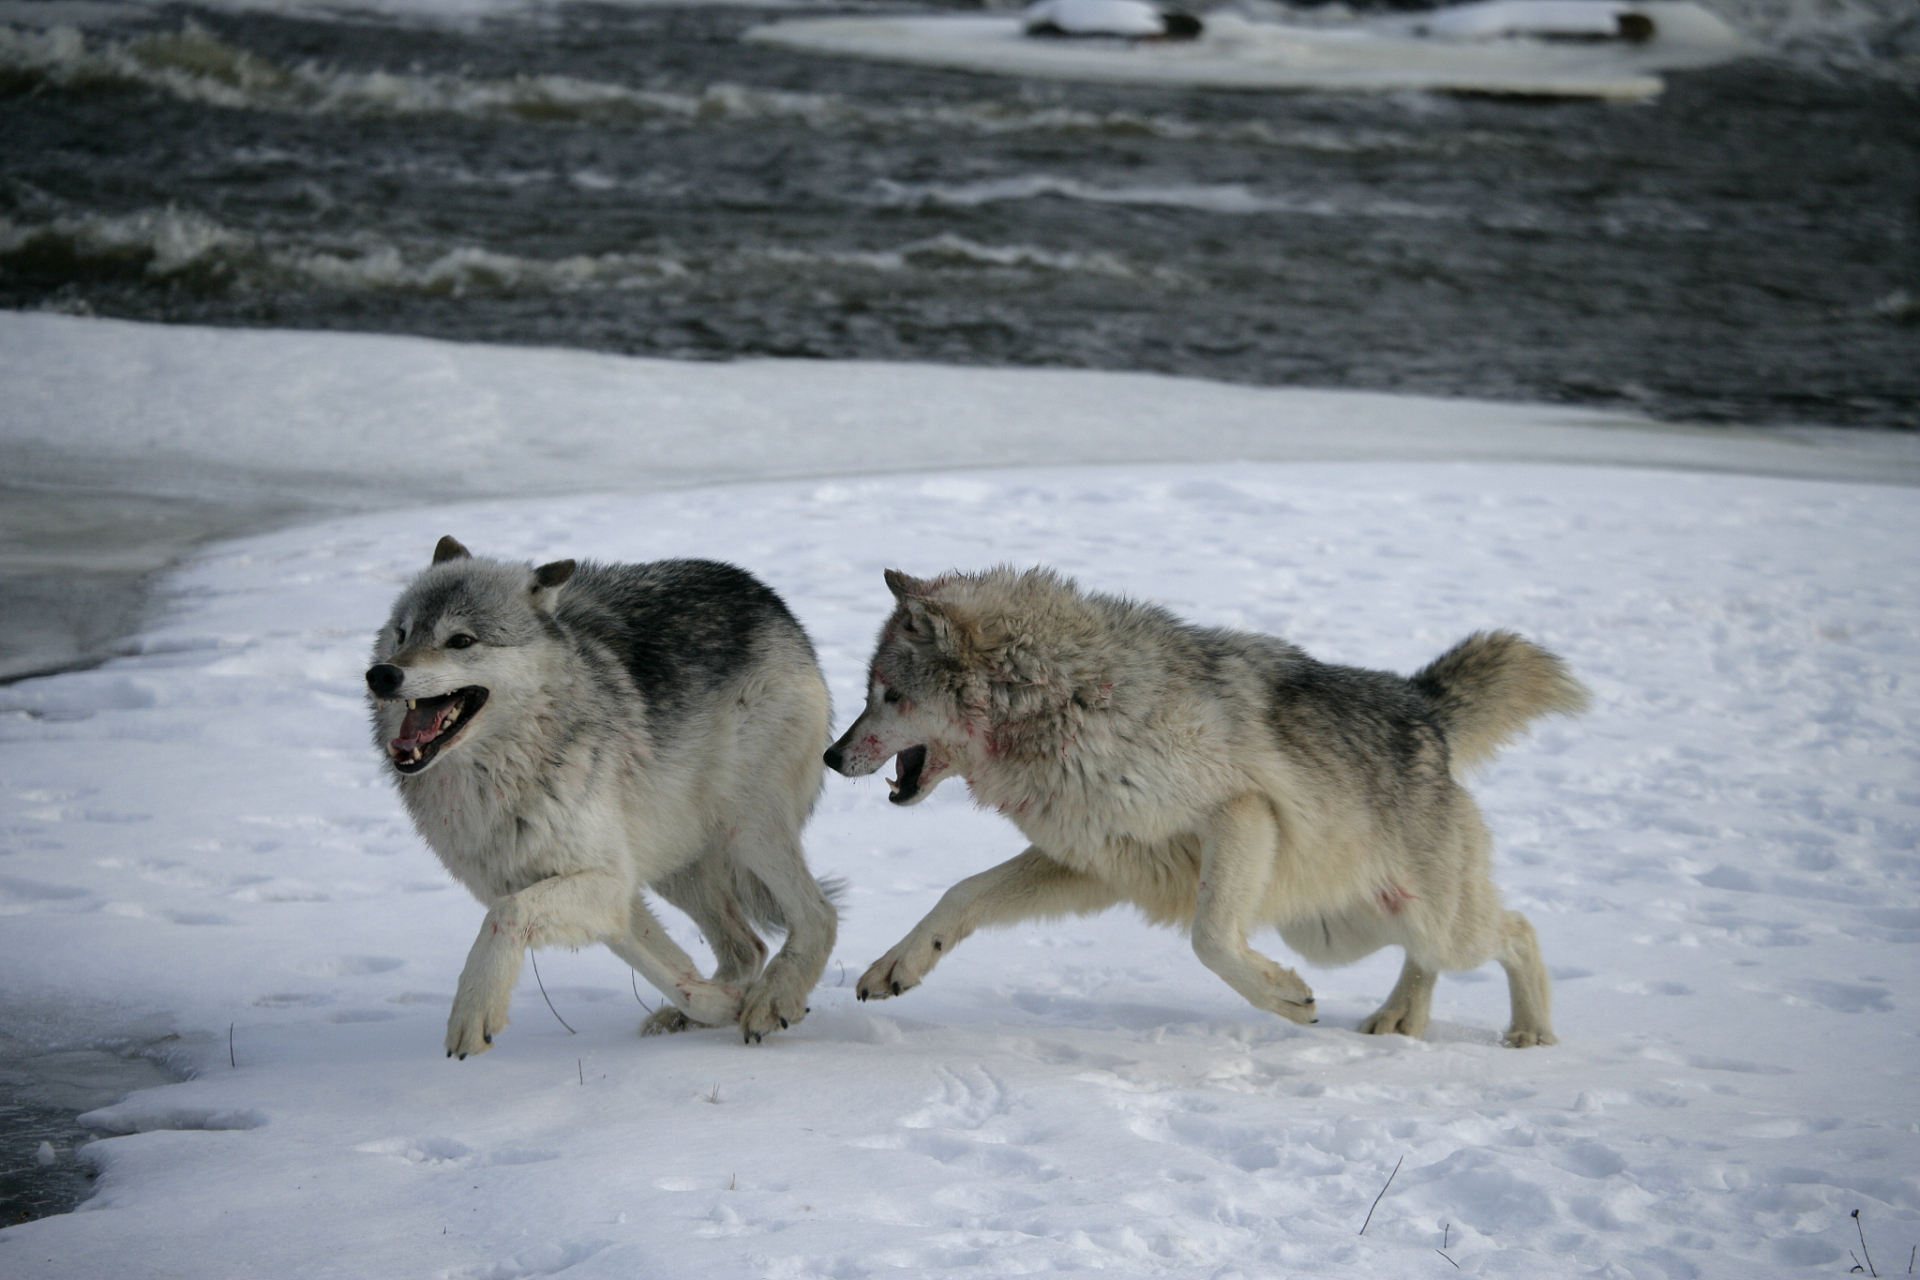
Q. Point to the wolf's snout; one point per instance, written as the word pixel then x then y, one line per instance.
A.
pixel 840 759
pixel 846 759
pixel 385 679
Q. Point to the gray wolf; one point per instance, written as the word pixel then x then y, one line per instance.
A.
pixel 569 736
pixel 1218 780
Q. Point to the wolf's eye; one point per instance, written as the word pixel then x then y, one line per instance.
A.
pixel 461 641
pixel 399 635
pixel 891 695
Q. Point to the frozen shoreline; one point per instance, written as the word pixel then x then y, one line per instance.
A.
pixel 129 445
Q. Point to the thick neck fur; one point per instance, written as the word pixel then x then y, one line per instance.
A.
pixel 1048 685
pixel 1030 647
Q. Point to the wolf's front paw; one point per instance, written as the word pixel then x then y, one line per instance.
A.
pixel 770 1006
pixel 895 973
pixel 1305 1013
pixel 1528 1037
pixel 474 1023
pixel 486 985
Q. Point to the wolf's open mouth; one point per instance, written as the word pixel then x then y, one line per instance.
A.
pixel 430 724
pixel 906 785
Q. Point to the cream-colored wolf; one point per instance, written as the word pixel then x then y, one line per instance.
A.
pixel 1219 780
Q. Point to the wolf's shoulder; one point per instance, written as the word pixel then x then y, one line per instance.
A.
pixel 682 586
pixel 681 627
pixel 685 601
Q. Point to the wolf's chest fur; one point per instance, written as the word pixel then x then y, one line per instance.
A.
pixel 498 826
pixel 1115 815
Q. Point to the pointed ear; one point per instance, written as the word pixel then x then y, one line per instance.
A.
pixel 924 618
pixel 547 580
pixel 933 622
pixel 927 616
pixel 904 586
pixel 449 548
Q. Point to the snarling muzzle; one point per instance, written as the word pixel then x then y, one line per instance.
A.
pixel 430 724
pixel 859 753
pixel 909 765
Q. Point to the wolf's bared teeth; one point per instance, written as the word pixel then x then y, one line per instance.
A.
pixel 411 704
pixel 893 786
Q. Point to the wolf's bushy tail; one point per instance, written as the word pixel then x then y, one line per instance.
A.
pixel 1486 690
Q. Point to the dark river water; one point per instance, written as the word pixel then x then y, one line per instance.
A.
pixel 1746 247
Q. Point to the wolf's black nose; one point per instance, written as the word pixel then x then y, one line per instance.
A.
pixel 385 679
pixel 832 757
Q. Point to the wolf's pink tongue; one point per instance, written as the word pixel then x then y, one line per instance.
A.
pixel 420 723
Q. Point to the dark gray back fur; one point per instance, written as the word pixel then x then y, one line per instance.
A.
pixel 681 629
pixel 1371 729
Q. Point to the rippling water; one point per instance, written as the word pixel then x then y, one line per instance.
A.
pixel 639 180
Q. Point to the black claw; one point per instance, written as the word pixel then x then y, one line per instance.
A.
pixel 463 1057
pixel 783 1024
pixel 896 988
pixel 449 1053
pixel 488 1039
pixel 863 995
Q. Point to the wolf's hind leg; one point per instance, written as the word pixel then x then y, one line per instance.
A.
pixel 659 959
pixel 1239 843
pixel 705 891
pixel 1527 984
pixel 778 997
pixel 1031 884
pixel 738 955
pixel 1409 1005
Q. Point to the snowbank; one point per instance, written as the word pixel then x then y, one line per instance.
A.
pixel 220 413
pixel 1720 860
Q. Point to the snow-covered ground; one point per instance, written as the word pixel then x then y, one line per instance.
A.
pixel 1720 859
